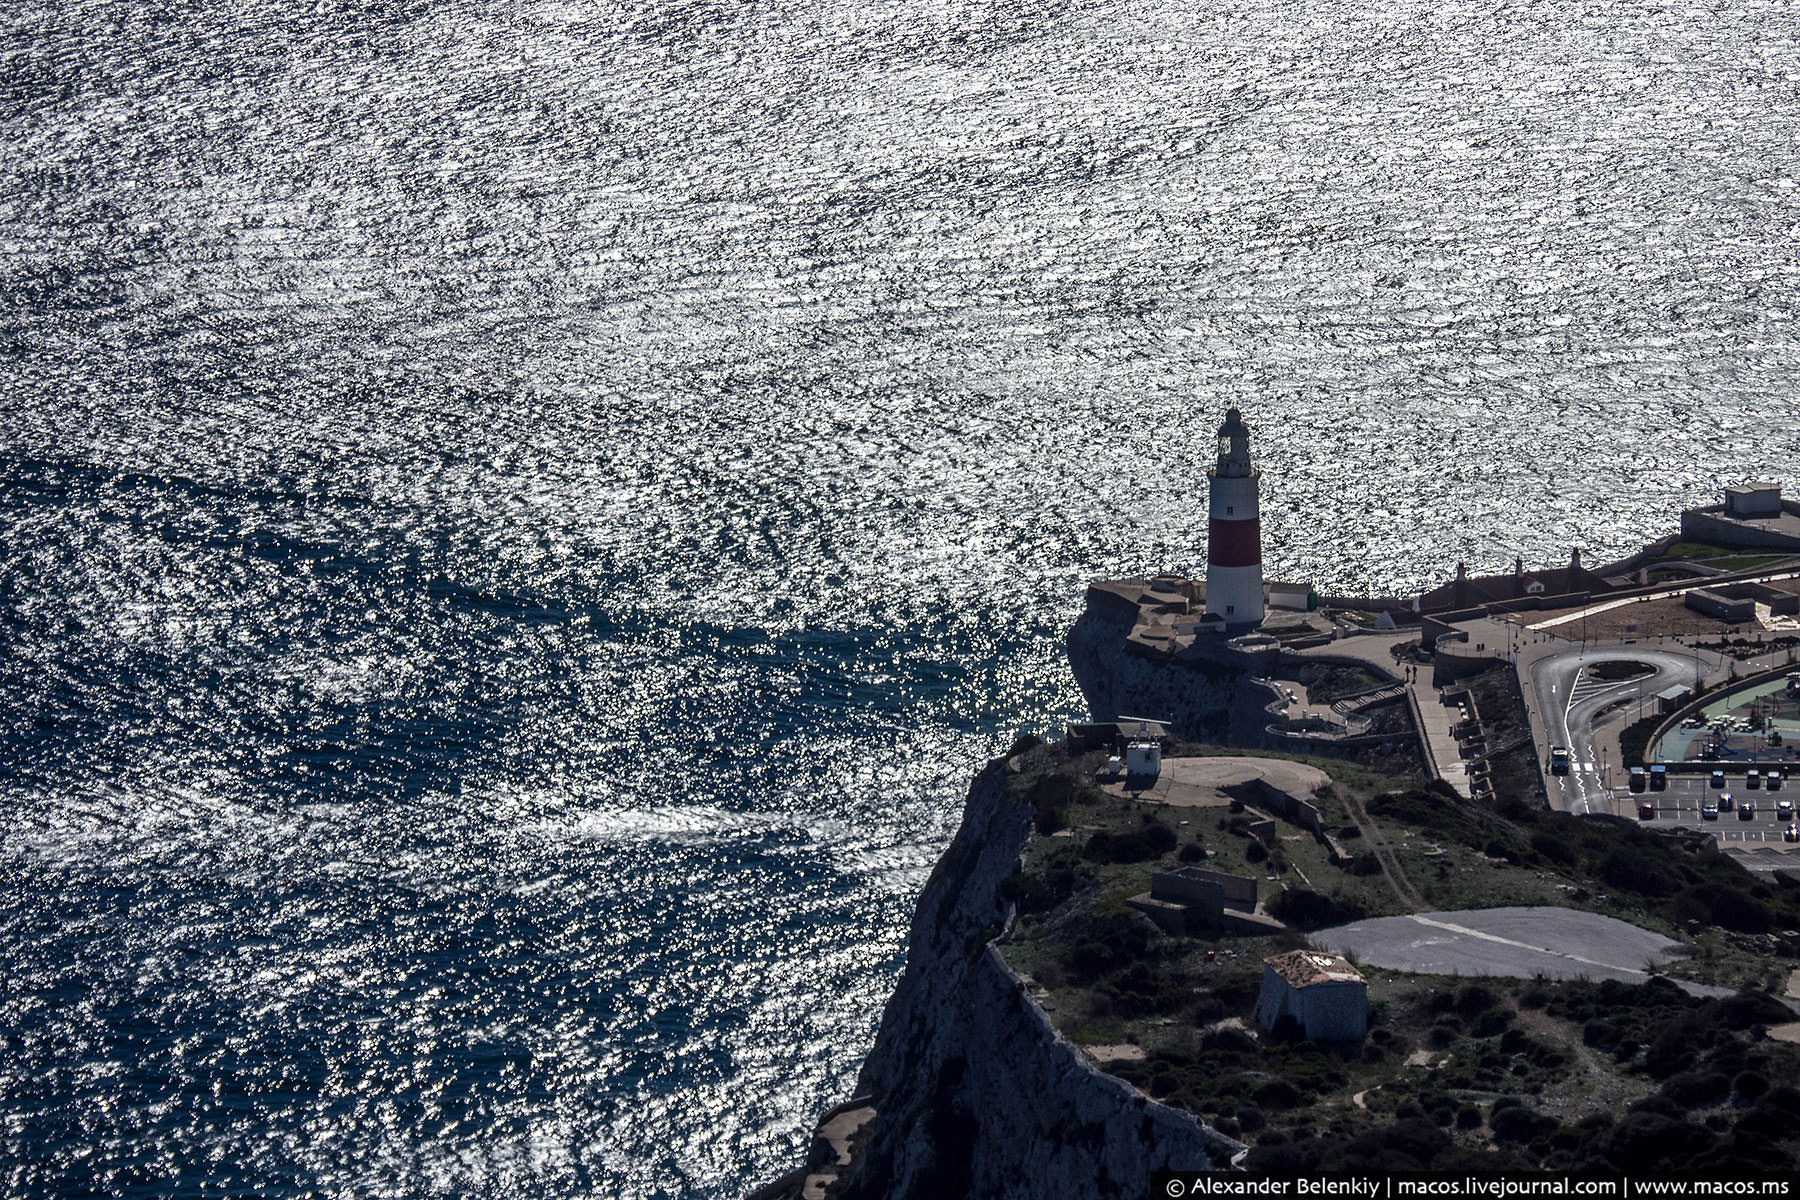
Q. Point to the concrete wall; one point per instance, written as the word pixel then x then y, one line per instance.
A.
pixel 1715 602
pixel 1712 525
pixel 1291 809
pixel 1326 1011
pixel 1191 885
pixel 1335 1011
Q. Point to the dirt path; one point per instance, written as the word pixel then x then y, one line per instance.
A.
pixel 1383 850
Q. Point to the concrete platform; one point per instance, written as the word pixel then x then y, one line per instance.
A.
pixel 1198 782
pixel 1517 943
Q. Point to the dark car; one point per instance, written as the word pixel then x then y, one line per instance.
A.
pixel 1746 809
pixel 1646 811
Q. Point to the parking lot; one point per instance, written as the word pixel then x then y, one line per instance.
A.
pixel 1681 804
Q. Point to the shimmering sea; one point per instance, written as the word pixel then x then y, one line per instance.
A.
pixel 518 520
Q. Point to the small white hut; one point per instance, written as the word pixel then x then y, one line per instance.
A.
pixel 1143 759
pixel 1323 992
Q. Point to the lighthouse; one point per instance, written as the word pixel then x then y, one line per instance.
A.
pixel 1234 582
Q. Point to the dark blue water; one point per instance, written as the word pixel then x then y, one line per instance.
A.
pixel 517 521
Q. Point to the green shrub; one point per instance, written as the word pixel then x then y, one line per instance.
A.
pixel 1152 840
pixel 1520 1124
pixel 1277 1093
pixel 1306 909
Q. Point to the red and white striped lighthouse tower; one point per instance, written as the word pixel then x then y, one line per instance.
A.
pixel 1234 582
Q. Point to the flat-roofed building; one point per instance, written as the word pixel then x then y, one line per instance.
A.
pixel 1753 500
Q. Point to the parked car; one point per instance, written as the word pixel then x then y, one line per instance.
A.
pixel 1753 778
pixel 1791 834
pixel 1784 809
pixel 1646 811
pixel 1772 781
pixel 1709 810
pixel 1659 778
pixel 1724 801
pixel 1747 809
pixel 1717 780
pixel 1637 780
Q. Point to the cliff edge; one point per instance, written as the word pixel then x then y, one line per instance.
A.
pixel 969 1090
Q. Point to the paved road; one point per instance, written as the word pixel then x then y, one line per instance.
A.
pixel 1568 705
pixel 1518 943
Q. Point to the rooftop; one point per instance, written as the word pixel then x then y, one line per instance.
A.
pixel 1303 968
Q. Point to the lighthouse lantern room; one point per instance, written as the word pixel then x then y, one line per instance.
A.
pixel 1234 583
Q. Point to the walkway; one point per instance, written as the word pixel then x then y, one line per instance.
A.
pixel 1683 590
pixel 1435 719
pixel 1438 720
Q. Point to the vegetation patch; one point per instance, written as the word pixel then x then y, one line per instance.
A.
pixel 1454 1074
pixel 1617 670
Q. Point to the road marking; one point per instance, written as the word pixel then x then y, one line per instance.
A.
pixel 1494 937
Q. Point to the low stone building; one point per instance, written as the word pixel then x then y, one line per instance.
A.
pixel 1323 992
pixel 1195 900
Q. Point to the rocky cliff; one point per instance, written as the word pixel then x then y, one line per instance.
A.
pixel 1202 701
pixel 974 1093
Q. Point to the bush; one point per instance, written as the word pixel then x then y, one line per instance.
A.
pixel 1475 999
pixel 1152 840
pixel 1647 1140
pixel 1277 1093
pixel 1491 1022
pixel 1694 1088
pixel 1193 852
pixel 1107 944
pixel 1306 909
pixel 1628 870
pixel 1520 1124
pixel 1750 1085
pixel 1552 847
pixel 1601 1035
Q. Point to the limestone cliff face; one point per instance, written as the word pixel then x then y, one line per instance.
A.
pixel 975 1093
pixel 1202 701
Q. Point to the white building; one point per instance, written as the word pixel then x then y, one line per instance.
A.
pixel 1322 991
pixel 1234 583
pixel 1143 759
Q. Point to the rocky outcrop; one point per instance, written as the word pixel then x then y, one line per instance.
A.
pixel 1200 700
pixel 974 1091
